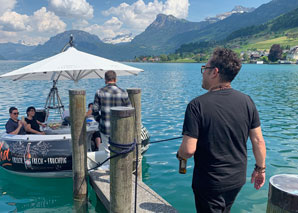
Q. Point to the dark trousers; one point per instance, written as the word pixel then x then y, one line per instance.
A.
pixel 215 202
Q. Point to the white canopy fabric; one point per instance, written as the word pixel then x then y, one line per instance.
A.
pixel 71 64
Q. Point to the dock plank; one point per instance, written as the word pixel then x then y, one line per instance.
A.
pixel 147 199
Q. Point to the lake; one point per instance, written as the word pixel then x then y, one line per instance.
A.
pixel 166 91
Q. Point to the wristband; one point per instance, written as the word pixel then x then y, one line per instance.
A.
pixel 259 169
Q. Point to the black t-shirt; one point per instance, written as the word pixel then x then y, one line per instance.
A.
pixel 221 121
pixel 33 123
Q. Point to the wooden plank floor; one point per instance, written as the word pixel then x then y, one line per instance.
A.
pixel 147 199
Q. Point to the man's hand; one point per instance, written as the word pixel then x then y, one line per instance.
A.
pixel 258 179
pixel 20 123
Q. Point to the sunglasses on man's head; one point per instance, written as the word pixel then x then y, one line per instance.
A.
pixel 15 113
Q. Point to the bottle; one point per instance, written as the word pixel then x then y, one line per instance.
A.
pixel 27 157
pixel 182 166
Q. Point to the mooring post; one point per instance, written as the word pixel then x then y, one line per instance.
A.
pixel 122 132
pixel 283 194
pixel 77 109
pixel 135 99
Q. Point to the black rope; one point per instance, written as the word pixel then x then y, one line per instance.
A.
pixel 166 140
pixel 125 149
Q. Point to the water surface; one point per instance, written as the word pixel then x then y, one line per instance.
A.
pixel 166 91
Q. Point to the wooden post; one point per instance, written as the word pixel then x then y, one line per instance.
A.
pixel 122 132
pixel 283 194
pixel 135 99
pixel 77 109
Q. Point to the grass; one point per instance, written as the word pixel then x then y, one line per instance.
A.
pixel 184 60
pixel 264 40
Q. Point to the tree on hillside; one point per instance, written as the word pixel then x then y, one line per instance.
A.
pixel 275 53
pixel 163 57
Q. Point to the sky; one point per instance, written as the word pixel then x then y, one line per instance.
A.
pixel 33 22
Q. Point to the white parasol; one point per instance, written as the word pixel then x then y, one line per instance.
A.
pixel 70 64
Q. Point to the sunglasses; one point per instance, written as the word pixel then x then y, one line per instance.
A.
pixel 15 113
pixel 203 68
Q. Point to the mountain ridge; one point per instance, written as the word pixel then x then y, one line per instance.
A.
pixel 163 36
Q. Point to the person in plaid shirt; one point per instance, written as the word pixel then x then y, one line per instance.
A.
pixel 109 96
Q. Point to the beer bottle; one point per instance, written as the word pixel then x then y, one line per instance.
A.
pixel 27 157
pixel 182 164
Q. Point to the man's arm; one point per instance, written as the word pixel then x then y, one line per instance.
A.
pixel 187 147
pixel 96 107
pixel 126 100
pixel 29 129
pixel 259 150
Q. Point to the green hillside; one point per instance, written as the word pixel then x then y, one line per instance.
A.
pixel 282 30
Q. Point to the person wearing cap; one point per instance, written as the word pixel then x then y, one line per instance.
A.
pixel 14 126
pixel 109 96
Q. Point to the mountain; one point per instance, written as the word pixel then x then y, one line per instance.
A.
pixel 82 41
pixel 166 34
pixel 280 24
pixel 53 46
pixel 282 30
pixel 222 29
pixel 156 36
pixel 236 9
pixel 12 50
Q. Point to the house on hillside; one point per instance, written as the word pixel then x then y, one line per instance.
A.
pixel 255 56
pixel 293 54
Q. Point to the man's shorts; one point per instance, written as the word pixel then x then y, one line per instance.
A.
pixel 215 202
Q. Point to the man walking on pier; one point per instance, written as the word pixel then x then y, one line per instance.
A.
pixel 109 96
pixel 215 130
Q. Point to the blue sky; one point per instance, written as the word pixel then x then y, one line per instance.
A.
pixel 35 21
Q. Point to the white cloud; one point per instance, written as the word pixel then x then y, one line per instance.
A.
pixel 7 5
pixel 109 29
pixel 72 8
pixel 31 29
pixel 46 21
pixel 12 21
pixel 176 8
pixel 139 15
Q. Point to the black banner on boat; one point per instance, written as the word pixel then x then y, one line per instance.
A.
pixel 36 156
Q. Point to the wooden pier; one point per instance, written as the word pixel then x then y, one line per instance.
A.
pixel 115 187
pixel 147 199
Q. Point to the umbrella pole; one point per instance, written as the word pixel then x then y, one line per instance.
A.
pixel 51 101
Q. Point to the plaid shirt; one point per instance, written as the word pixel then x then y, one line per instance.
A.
pixel 105 98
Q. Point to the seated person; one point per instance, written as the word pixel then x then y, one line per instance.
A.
pixel 96 135
pixel 32 125
pixel 89 112
pixel 14 126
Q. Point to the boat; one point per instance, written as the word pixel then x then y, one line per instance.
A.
pixel 50 155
